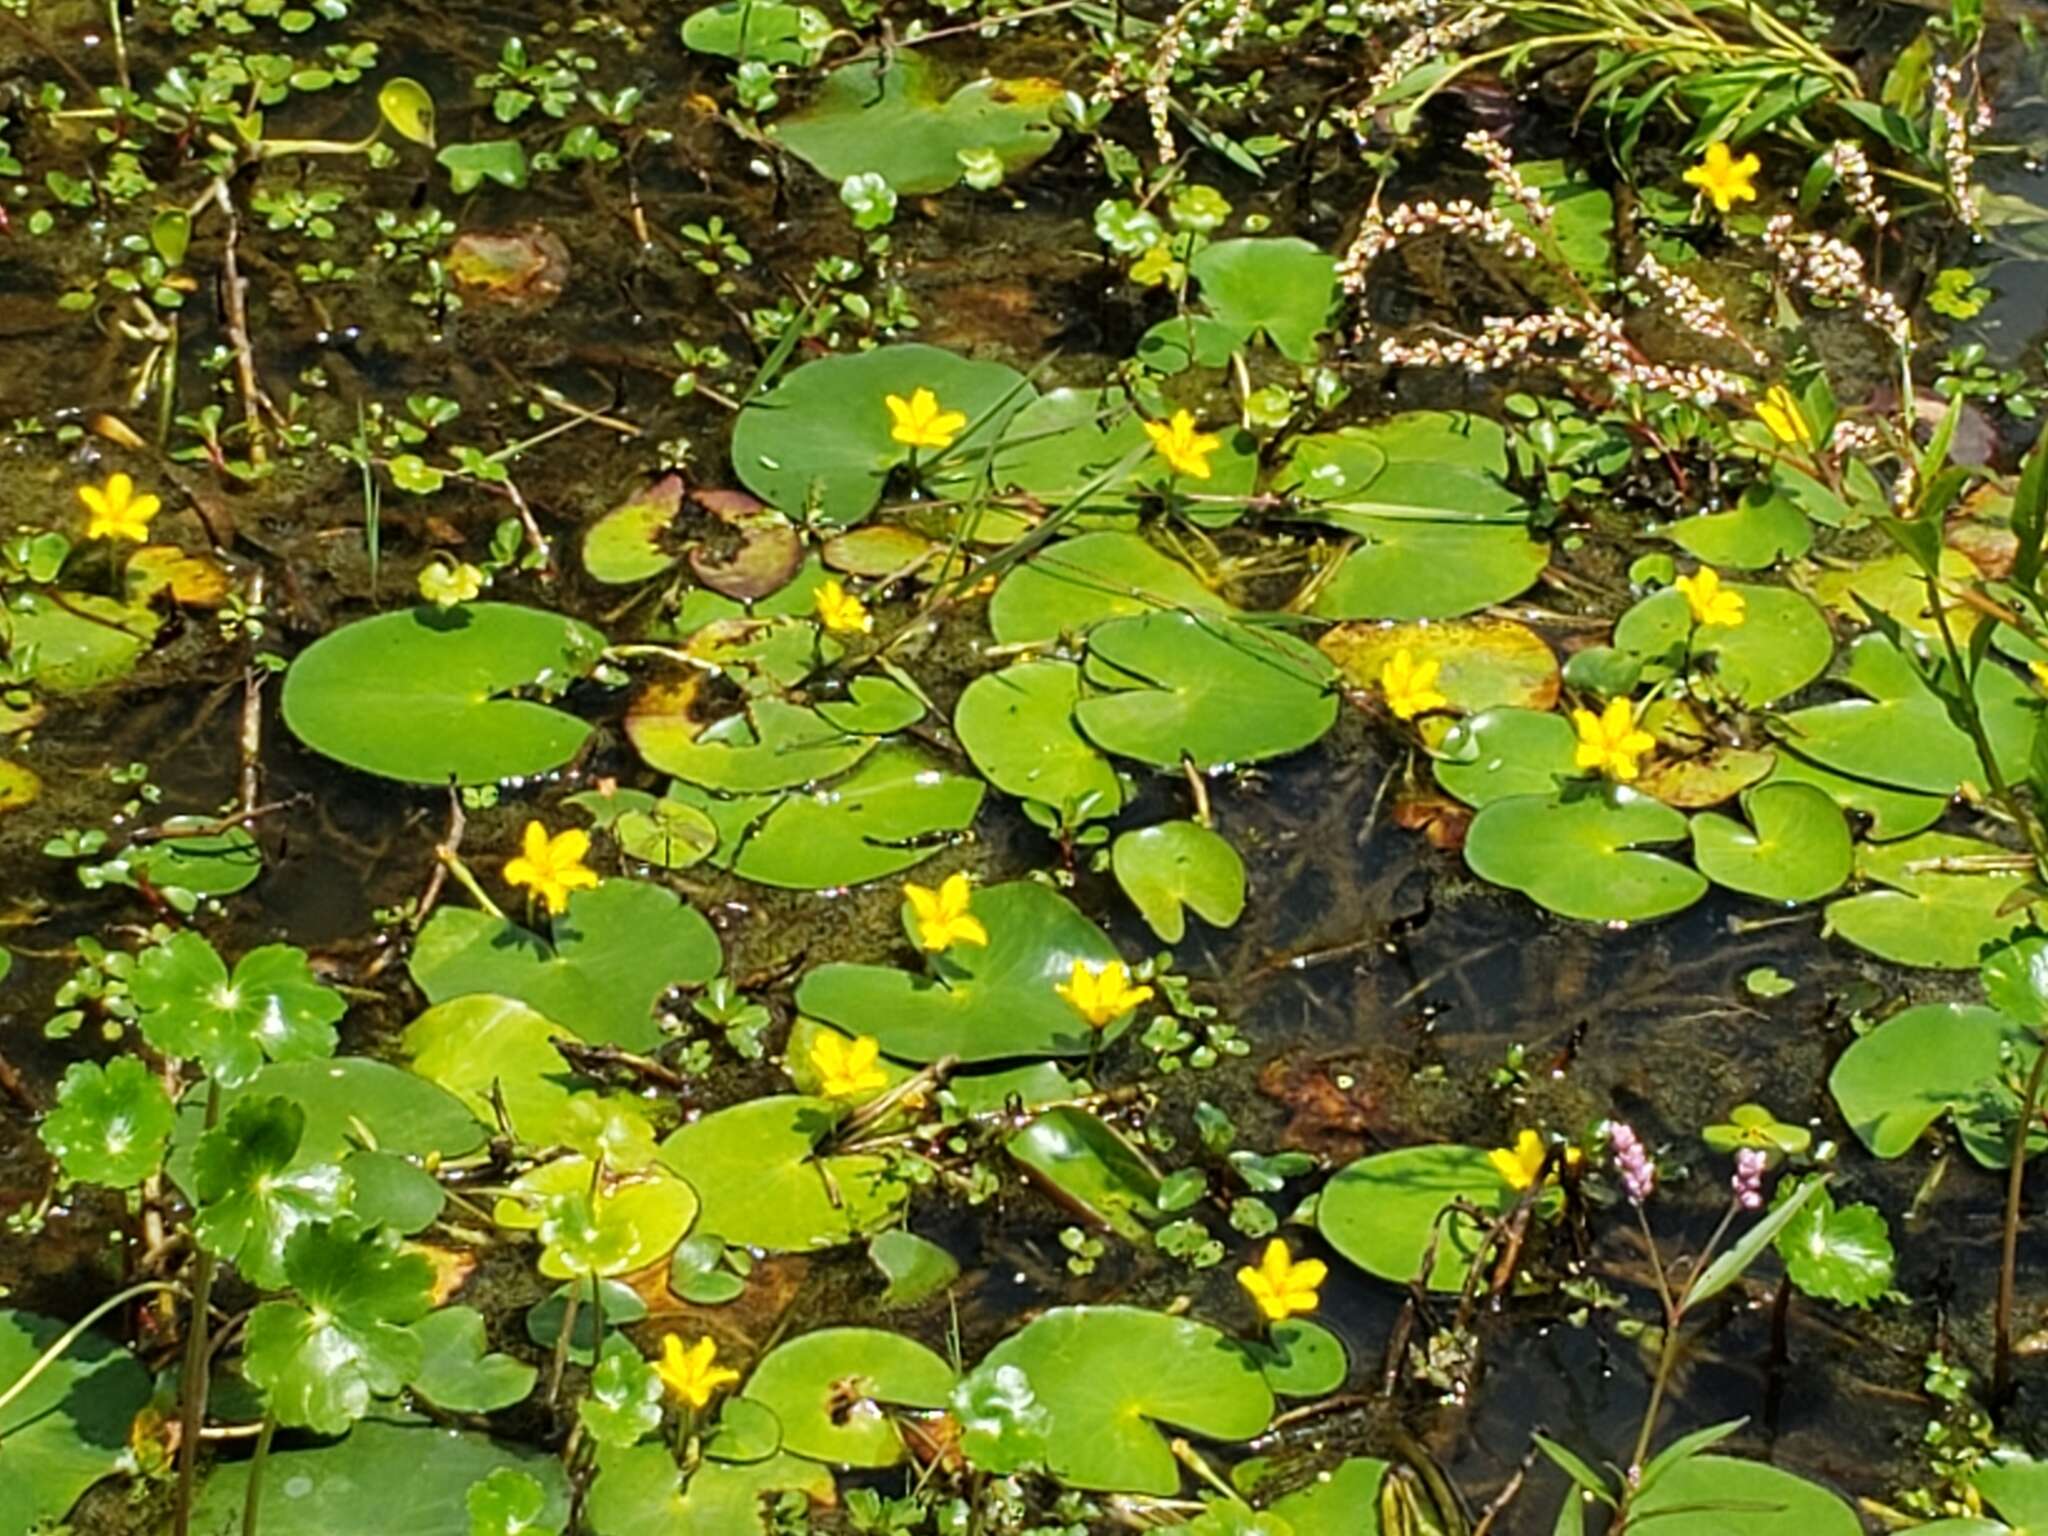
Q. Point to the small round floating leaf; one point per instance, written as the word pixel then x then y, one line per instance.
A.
pixel 1580 854
pixel 1941 908
pixel 508 1503
pixel 826 1388
pixel 760 31
pixel 915 1267
pixel 206 864
pixel 1423 570
pixel 409 108
pixel 754 1169
pixel 668 834
pixel 1765 528
pixel 457 1372
pixel 1102 1377
pixel 1382 1212
pixel 639 1492
pixel 544 1319
pixel 1174 686
pixel 1482 663
pixel 1841 1254
pixel 992 1001
pixel 593 1221
pixel 71 642
pixel 69 1428
pixel 1301 1358
pixel 422 695
pixel 1506 752
pixel 1018 726
pixel 1799 850
pixel 1936 1059
pixel 1893 813
pixel 1708 778
pixel 617 951
pixel 110 1123
pixel 771 745
pixel 1176 866
pixel 745 1432
pixel 1694 1497
pixel 469 166
pixel 624 546
pixel 1075 583
pixel 1091 1169
pixel 1781 645
pixel 2017 1487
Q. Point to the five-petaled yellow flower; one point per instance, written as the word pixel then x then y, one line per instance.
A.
pixel 1779 411
pixel 840 611
pixel 1101 994
pixel 1725 179
pixel 1410 686
pixel 943 918
pixel 847 1067
pixel 1712 603
pixel 117 512
pixel 690 1374
pixel 445 583
pixel 1520 1164
pixel 552 866
pixel 1280 1285
pixel 1182 445
pixel 2040 671
pixel 1611 742
pixel 919 422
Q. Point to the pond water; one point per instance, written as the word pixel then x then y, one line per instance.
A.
pixel 358 370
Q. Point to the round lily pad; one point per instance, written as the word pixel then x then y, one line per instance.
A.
pixel 827 1389
pixel 1940 1058
pixel 1580 853
pixel 1764 528
pixel 1301 1358
pixel 1018 726
pixel 1176 866
pixel 1781 645
pixel 70 642
pixel 1074 583
pixel 771 745
pixel 597 1223
pixel 1506 752
pixel 70 1428
pixel 1939 907
pixel 1073 443
pixel 1799 849
pixel 423 695
pixel 1892 813
pixel 1482 663
pixel 1383 1211
pixel 624 546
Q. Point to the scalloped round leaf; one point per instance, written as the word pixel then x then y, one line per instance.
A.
pixel 1381 1212
pixel 895 118
pixel 1694 1497
pixel 1506 752
pixel 989 1001
pixel 1173 686
pixel 1799 849
pixel 891 813
pixel 270 1007
pixel 1482 663
pixel 1018 727
pixel 110 1123
pixel 1175 866
pixel 1939 1058
pixel 1782 644
pixel 1070 585
pixel 415 1476
pixel 1900 733
pixel 70 1427
pixel 827 1389
pixel 1941 909
pixel 1764 529
pixel 623 547
pixel 761 1185
pixel 617 950
pixel 1099 1379
pixel 820 438
pixel 1580 854
pixel 424 695
pixel 1841 1254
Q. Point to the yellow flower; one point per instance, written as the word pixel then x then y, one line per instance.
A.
pixel 1181 445
pixel 1725 179
pixel 2040 671
pixel 1779 410
pixel 117 512
pixel 919 422
pixel 552 866
pixel 1410 686
pixel 1711 602
pixel 689 1374
pixel 1610 742
pixel 943 918
pixel 1281 1286
pixel 445 583
pixel 840 611
pixel 1101 994
pixel 1520 1163
pixel 847 1066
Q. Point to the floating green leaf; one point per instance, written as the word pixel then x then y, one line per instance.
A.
pixel 1580 853
pixel 69 1428
pixel 1762 529
pixel 1385 1212
pixel 1706 1495
pixel 1781 645
pixel 1088 1167
pixel 770 745
pixel 827 1387
pixel 1018 726
pixel 755 1169
pixel 765 31
pixel 1942 906
pixel 71 642
pixel 1841 1254
pixel 1937 1059
pixel 254 1194
pixel 1075 583
pixel 1301 1358
pixel 916 1267
pixel 594 1221
pixel 1799 850
pixel 1504 753
pixel 624 546
pixel 110 1123
pixel 1893 813
pixel 1176 866
pixel 456 1370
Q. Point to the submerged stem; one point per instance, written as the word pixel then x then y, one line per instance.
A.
pixel 2008 1258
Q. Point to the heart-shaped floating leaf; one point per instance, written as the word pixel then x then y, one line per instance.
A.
pixel 888 814
pixel 1341 1502
pixel 271 1007
pixel 69 1428
pixel 421 1477
pixel 1383 1212
pixel 1301 1358
pixel 1694 1495
pixel 253 1192
pixel 639 1492
pixel 1175 866
pixel 1506 752
pixel 2017 1487
pixel 820 440
pixel 110 1123
pixel 1482 663
pixel 988 1001
pixel 1948 900
pixel 1799 850
pixel 423 695
pixel 761 1183
pixel 1090 446
pixel 1781 645
pixel 1580 853
pixel 1075 583
pixel 1763 529
pixel 1900 733
pixel 1893 813
pixel 1937 1059
pixel 342 1341
pixel 1018 726
pixel 594 1221
pixel 456 1370
pixel 69 642
pixel 1093 1382
pixel 1171 687
pixel 826 1388
pixel 617 950
pixel 915 1267
pixel 895 118
pixel 1277 286
pixel 771 745
pixel 1091 1169
pixel 760 31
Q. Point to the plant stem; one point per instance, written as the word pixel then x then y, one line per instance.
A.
pixel 76 1331
pixel 252 1498
pixel 562 1342
pixel 192 1389
pixel 1973 719
pixel 2008 1261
